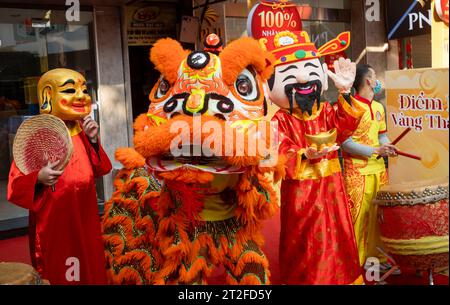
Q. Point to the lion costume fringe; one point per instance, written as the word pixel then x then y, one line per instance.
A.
pixel 171 219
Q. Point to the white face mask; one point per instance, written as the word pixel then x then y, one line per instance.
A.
pixel 298 72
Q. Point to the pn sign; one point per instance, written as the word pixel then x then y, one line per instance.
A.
pixel 269 18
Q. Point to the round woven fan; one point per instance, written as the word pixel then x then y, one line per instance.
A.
pixel 41 139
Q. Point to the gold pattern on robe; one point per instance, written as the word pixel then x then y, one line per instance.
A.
pixel 305 170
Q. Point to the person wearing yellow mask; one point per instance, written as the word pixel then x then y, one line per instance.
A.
pixel 364 174
pixel 66 244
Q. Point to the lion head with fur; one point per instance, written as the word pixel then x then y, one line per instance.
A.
pixel 206 111
pixel 204 139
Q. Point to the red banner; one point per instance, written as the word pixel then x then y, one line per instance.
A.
pixel 269 18
pixel 442 10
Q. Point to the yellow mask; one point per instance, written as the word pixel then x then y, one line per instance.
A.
pixel 63 93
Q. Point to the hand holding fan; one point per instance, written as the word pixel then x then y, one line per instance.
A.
pixel 40 140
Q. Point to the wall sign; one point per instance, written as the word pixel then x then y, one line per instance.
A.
pixel 442 9
pixel 213 21
pixel 148 23
pixel 269 18
pixel 418 99
pixel 408 18
pixel 189 28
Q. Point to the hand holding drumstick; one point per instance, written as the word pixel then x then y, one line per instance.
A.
pixel 386 150
pixel 396 151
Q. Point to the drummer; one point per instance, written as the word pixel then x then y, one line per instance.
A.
pixel 364 174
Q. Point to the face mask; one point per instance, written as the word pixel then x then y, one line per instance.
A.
pixel 377 87
pixel 63 93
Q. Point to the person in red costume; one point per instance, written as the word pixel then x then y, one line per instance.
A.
pixel 317 242
pixel 65 236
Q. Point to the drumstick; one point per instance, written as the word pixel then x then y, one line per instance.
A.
pixel 399 137
pixel 385 276
pixel 391 261
pixel 389 258
pixel 404 154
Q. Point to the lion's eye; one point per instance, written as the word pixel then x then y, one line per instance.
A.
pixel 163 88
pixel 246 85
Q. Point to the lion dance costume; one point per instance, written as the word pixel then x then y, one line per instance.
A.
pixel 173 218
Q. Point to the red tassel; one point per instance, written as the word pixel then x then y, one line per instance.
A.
pixel 191 198
pixel 400 53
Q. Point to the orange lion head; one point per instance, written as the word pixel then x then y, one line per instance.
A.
pixel 205 110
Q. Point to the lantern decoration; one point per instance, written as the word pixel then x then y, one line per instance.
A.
pixel 409 61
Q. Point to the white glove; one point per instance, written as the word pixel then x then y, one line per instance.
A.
pixel 344 76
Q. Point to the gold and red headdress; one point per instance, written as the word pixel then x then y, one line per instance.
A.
pixel 292 46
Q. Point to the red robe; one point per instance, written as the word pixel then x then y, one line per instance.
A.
pixel 65 223
pixel 317 241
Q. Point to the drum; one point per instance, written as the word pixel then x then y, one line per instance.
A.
pixel 413 219
pixel 19 274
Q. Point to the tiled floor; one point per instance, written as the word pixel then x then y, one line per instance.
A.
pixel 15 250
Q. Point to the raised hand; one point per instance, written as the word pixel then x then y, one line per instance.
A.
pixel 90 128
pixel 344 74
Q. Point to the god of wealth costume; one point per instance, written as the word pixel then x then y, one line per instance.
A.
pixel 65 223
pixel 364 174
pixel 179 211
pixel 317 242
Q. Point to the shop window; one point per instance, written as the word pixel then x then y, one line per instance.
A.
pixel 330 4
pixel 415 52
pixel 33 41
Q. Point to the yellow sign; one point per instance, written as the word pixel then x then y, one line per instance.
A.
pixel 418 99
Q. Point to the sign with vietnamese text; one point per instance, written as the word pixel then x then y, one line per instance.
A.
pixel 418 99
pixel 148 23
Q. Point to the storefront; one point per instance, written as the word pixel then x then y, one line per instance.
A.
pixel 109 44
pixel 95 40
pixel 323 20
pixel 35 40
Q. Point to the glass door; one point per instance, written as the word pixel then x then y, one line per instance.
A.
pixel 33 41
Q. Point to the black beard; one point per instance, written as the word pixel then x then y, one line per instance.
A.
pixel 304 101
